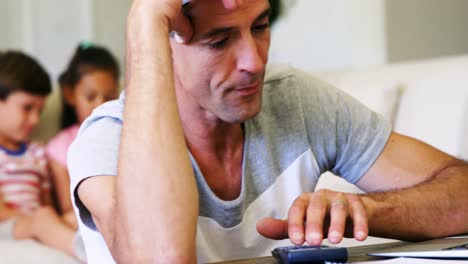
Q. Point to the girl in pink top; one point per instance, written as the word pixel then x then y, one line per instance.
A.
pixel 90 79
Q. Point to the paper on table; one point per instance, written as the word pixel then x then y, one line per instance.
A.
pixel 412 261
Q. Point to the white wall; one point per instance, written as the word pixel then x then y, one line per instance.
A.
pixel 10 26
pixel 50 30
pixel 317 34
pixel 109 25
pixel 57 26
pixel 312 34
pixel 420 29
pixel 47 29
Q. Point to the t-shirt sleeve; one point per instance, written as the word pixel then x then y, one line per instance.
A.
pixel 93 153
pixel 345 136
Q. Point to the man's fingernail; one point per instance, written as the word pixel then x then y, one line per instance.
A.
pixel 315 238
pixel 360 235
pixel 178 39
pixel 297 236
pixel 334 236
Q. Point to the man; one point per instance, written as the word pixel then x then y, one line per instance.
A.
pixel 256 147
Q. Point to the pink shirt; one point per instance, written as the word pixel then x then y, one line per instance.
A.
pixel 58 146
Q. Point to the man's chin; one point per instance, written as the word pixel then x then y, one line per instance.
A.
pixel 242 115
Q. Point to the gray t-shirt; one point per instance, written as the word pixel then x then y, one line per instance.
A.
pixel 305 128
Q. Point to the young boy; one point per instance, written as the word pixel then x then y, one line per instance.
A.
pixel 24 181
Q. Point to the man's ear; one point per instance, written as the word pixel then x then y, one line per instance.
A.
pixel 68 95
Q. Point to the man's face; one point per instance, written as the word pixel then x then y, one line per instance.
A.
pixel 220 72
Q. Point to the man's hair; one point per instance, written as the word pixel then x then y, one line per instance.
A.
pixel 275 5
pixel 276 9
pixel 20 72
pixel 86 59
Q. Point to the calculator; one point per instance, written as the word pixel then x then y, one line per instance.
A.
pixel 310 254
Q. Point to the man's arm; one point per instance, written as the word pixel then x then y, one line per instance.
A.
pixel 436 206
pixel 148 213
pixel 151 209
pixel 156 194
pixel 416 192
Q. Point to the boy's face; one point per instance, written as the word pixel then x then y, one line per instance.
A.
pixel 20 113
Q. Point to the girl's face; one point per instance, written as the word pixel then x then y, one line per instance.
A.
pixel 93 89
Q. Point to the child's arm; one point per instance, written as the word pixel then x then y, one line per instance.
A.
pixel 43 224
pixel 46 198
pixel 22 227
pixel 5 212
pixel 46 187
pixel 61 183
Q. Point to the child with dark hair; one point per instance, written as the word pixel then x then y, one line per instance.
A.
pixel 25 197
pixel 90 79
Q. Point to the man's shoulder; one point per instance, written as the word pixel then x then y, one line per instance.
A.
pixel 110 110
pixel 289 77
pixel 279 72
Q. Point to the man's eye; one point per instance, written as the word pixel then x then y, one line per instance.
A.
pixel 219 44
pixel 260 28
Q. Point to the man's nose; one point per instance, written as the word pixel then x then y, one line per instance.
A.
pixel 249 58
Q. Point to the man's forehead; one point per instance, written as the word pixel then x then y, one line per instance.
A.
pixel 209 8
pixel 212 13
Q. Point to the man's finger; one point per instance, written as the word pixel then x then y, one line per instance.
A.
pixel 316 213
pixel 338 215
pixel 359 216
pixel 273 228
pixel 232 4
pixel 181 29
pixel 296 219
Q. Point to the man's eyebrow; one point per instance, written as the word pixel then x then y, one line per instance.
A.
pixel 222 30
pixel 264 14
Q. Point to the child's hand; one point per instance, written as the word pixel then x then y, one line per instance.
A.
pixel 5 211
pixel 70 219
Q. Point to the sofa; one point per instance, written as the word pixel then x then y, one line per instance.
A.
pixel 427 100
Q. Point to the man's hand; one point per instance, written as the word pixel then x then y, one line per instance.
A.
pixel 411 189
pixel 172 14
pixel 155 187
pixel 314 214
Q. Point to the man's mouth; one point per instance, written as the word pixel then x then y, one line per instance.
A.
pixel 249 89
